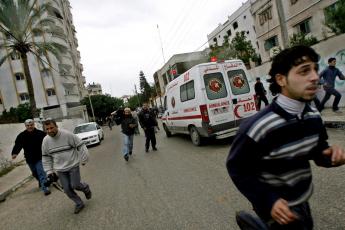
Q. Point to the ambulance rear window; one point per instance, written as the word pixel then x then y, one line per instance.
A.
pixel 238 82
pixel 215 86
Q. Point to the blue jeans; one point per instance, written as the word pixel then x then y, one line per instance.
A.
pixel 328 93
pixel 39 173
pixel 127 144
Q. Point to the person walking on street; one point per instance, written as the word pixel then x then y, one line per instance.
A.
pixel 269 158
pixel 148 122
pixel 63 152
pixel 128 126
pixel 260 93
pixel 328 76
pixel 135 116
pixel 110 122
pixel 31 141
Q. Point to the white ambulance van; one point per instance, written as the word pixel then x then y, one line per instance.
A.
pixel 209 100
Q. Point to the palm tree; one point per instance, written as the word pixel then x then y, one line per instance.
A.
pixel 21 21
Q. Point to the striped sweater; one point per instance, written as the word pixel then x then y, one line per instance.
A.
pixel 269 157
pixel 63 152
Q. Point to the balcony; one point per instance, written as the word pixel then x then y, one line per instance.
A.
pixel 68 81
pixel 72 98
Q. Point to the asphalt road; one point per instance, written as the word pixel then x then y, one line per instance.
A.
pixel 178 187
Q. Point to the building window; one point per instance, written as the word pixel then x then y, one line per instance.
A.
pixel 247 31
pixel 265 15
pixel 244 17
pixel 304 27
pixel 15 55
pixel 257 44
pixel 271 42
pixel 215 40
pixel 24 97
pixel 50 92
pixel 19 76
pixel 228 33
pixel 235 25
pixel 293 2
pixel 45 73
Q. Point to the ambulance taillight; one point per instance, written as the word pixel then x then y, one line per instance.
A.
pixel 204 113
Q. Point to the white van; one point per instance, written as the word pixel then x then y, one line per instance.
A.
pixel 209 100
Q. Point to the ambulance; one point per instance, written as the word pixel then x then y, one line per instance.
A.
pixel 210 100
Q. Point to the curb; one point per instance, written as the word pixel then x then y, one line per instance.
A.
pixel 14 188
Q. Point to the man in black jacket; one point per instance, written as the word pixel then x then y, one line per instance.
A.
pixel 128 126
pixel 148 121
pixel 31 141
pixel 260 93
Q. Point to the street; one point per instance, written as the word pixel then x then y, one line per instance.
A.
pixel 178 187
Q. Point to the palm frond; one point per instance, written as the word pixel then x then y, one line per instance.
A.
pixel 52 47
pixel 4 58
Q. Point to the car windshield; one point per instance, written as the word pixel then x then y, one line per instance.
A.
pixel 85 128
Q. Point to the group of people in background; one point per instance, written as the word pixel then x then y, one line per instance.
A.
pixel 326 79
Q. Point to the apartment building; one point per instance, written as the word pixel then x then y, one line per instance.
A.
pixel 277 20
pixel 176 65
pixel 240 20
pixel 58 86
pixel 94 89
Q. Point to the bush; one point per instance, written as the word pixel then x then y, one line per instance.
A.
pixel 16 115
pixel 302 39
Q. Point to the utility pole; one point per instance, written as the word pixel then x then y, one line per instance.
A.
pixel 282 23
pixel 93 113
pixel 160 39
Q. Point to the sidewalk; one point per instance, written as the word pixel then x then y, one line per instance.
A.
pixel 21 174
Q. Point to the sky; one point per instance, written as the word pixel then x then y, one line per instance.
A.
pixel 119 38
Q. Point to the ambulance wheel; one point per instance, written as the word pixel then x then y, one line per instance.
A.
pixel 167 132
pixel 195 136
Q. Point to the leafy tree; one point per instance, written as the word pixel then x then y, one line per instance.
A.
pixel 242 47
pixel 15 115
pixel 133 101
pixel 102 105
pixel 334 17
pixel 302 39
pixel 145 88
pixel 20 21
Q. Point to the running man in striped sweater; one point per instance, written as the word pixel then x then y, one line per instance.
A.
pixel 269 158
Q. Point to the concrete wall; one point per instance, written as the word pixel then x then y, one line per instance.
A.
pixel 9 132
pixel 333 47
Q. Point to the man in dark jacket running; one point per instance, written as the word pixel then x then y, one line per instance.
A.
pixel 128 126
pixel 328 75
pixel 147 120
pixel 260 93
pixel 31 141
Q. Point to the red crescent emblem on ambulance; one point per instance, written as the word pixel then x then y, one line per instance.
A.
pixel 215 85
pixel 236 111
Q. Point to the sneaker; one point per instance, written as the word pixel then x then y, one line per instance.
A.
pixel 154 149
pixel 130 153
pixel 78 208
pixel 88 195
pixel 126 157
pixel 47 192
pixel 147 150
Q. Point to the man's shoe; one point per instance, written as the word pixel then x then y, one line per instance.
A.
pixel 130 153
pixel 154 149
pixel 78 208
pixel 126 157
pixel 147 150
pixel 88 195
pixel 337 111
pixel 47 192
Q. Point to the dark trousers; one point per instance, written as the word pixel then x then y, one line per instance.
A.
pixel 261 98
pixel 150 136
pixel 328 94
pixel 38 172
pixel 304 222
pixel 70 181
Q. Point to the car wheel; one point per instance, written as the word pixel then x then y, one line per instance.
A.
pixel 167 132
pixel 102 136
pixel 99 140
pixel 195 136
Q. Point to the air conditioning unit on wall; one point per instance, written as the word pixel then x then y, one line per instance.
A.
pixel 274 51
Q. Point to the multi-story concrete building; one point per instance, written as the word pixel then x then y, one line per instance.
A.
pixel 277 20
pixel 94 89
pixel 240 20
pixel 176 65
pixel 58 86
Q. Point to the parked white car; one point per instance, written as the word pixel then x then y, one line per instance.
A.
pixel 91 133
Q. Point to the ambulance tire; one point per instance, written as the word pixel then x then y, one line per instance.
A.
pixel 167 132
pixel 195 136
